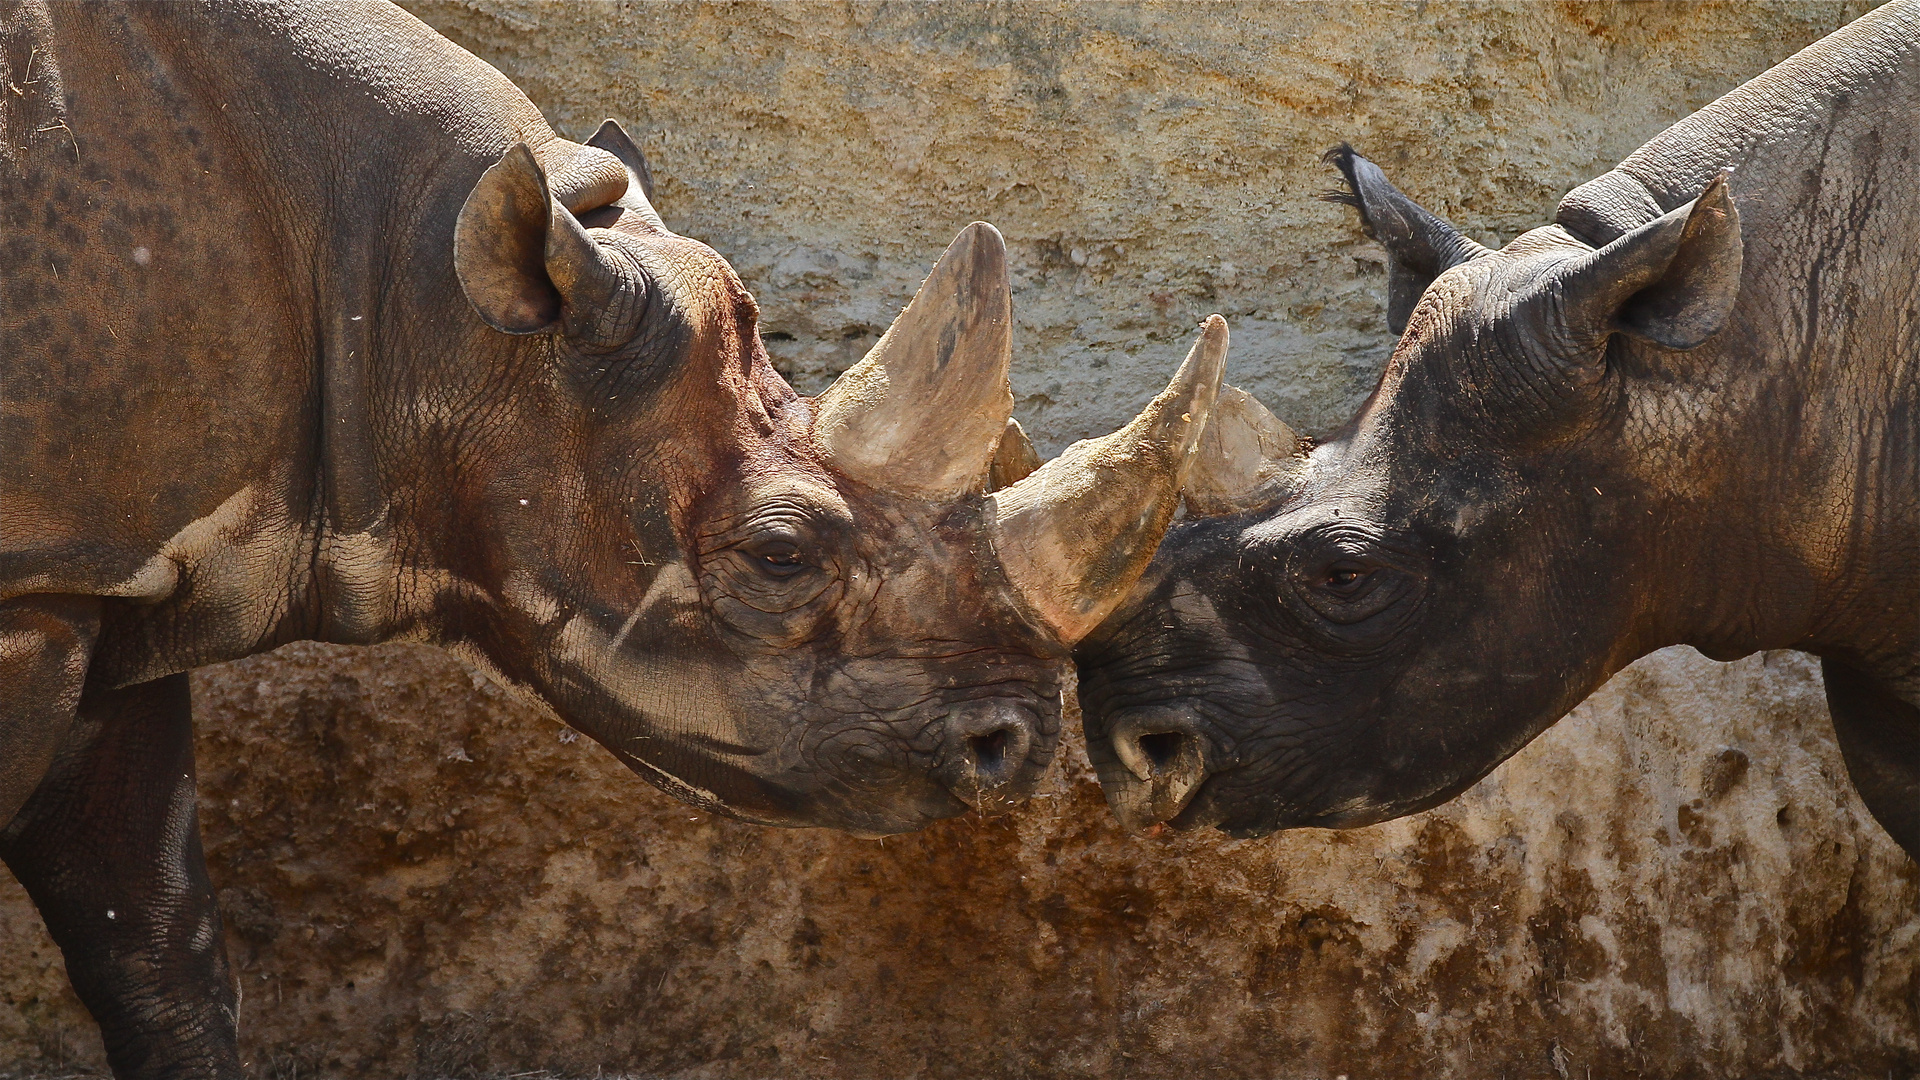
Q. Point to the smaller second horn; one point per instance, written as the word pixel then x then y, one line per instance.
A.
pixel 1247 458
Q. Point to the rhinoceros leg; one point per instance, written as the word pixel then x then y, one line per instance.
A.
pixel 1879 737
pixel 109 848
pixel 45 644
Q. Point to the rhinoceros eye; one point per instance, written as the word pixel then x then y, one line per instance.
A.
pixel 781 559
pixel 776 567
pixel 1345 577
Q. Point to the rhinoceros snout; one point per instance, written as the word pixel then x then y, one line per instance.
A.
pixel 985 752
pixel 1163 757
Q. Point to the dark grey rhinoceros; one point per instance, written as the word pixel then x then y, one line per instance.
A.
pixel 1688 411
pixel 310 328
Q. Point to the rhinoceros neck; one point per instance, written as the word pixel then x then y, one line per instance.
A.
pixel 1787 449
pixel 1759 130
pixel 409 121
pixel 400 348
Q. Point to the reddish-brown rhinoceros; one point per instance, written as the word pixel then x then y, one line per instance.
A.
pixel 311 328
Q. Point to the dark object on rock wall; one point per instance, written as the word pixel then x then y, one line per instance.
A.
pixel 1686 412
pixel 314 330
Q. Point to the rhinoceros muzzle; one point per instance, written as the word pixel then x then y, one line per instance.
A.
pixel 987 753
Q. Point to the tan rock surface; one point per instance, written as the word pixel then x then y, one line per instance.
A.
pixel 1148 163
pixel 424 877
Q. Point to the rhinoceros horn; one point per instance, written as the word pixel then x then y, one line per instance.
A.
pixel 922 413
pixel 1247 458
pixel 1074 536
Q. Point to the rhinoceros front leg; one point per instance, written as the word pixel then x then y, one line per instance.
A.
pixel 1879 735
pixel 45 645
pixel 108 846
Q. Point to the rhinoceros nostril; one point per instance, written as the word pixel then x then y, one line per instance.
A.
pixel 990 752
pixel 1165 760
pixel 1151 754
pixel 987 747
pixel 1162 747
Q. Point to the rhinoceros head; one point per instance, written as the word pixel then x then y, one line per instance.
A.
pixel 1359 631
pixel 793 611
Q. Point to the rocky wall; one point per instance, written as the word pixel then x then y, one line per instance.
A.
pixel 423 875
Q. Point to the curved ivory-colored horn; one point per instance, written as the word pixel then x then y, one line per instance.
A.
pixel 1075 536
pixel 922 413
pixel 1247 457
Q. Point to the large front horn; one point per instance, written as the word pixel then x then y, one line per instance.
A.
pixel 1247 458
pixel 1075 536
pixel 922 413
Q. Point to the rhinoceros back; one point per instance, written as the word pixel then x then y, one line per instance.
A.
pixel 221 219
pixel 1815 428
pixel 1855 92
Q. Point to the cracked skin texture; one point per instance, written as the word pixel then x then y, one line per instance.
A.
pixel 1673 882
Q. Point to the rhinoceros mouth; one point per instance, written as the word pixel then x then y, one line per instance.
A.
pixel 1247 807
pixel 710 744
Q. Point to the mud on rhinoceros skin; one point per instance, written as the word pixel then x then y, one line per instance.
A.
pixel 1684 413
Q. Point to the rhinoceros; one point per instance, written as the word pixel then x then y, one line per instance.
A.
pixel 1685 412
pixel 311 328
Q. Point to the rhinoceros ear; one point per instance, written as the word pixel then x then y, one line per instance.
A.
pixel 1247 458
pixel 1421 245
pixel 639 195
pixel 523 260
pixel 1074 537
pixel 500 246
pixel 922 413
pixel 1672 281
pixel 614 139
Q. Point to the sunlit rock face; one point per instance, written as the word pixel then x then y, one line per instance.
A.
pixel 424 876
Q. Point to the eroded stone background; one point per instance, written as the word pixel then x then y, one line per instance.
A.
pixel 424 876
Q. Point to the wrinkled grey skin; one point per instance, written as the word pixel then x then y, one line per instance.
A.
pixel 1708 433
pixel 244 400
